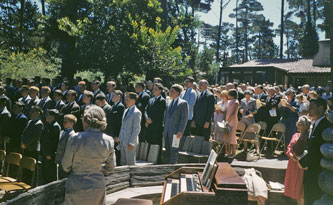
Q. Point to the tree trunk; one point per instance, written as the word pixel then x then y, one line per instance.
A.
pixel 330 17
pixel 219 35
pixel 22 4
pixel 43 7
pixel 309 11
pixel 282 29
pixel 164 5
pixel 314 12
pixel 246 34
pixel 237 35
pixel 326 20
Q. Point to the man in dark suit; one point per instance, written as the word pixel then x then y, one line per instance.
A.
pixel 25 98
pixel 111 87
pixel 72 107
pixel 272 104
pixel 101 102
pixel 32 132
pixel 81 87
pixel 49 143
pixel 18 123
pixel 141 103
pixel 312 191
pixel 114 119
pixel 95 87
pixel 4 120
pixel 33 93
pixel 46 102
pixel 154 115
pixel 260 95
pixel 57 98
pixel 3 95
pixel 203 111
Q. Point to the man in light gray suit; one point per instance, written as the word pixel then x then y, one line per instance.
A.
pixel 129 132
pixel 175 121
pixel 190 95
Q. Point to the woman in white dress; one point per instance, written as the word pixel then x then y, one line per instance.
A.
pixel 220 109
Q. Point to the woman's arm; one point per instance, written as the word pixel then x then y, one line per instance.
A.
pixel 234 110
pixel 67 160
pixel 110 163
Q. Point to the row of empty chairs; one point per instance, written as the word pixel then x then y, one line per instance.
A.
pixel 255 133
pixel 16 164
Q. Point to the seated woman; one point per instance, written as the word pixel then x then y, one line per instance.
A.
pixel 293 183
pixel 248 108
pixel 89 156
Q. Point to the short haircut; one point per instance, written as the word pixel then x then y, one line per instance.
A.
pixel 66 83
pixel 190 78
pixel 100 96
pixel 112 82
pixel 306 86
pixel 37 109
pixel 88 94
pixel 141 84
pixel 34 88
pixel 159 86
pixel 53 112
pixel 25 87
pixel 178 88
pixel 72 92
pixel 71 118
pixel 47 88
pixel 82 83
pixel 158 80
pixel 261 87
pixel 320 102
pixel 132 96
pixel 97 82
pixel 118 92
pixel 247 92
pixel 20 104
pixel 2 89
pixel 233 93
pixel 58 92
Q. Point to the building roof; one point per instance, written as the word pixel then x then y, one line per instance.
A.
pixel 288 65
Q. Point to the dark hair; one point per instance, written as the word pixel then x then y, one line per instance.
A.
pixel 159 86
pixel 261 87
pixel 100 97
pixel 36 108
pixel 53 112
pixel 132 96
pixel 158 80
pixel 97 82
pixel 66 83
pixel 247 92
pixel 58 92
pixel 233 93
pixel 190 78
pixel 3 100
pixel 141 84
pixel 320 103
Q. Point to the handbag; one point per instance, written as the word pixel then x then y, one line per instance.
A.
pixel 223 127
pixel 251 156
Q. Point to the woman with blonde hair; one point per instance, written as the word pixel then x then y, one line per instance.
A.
pixel 89 156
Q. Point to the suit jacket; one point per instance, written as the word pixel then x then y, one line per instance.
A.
pixel 141 104
pixel 32 102
pixel 64 136
pixel 49 139
pixel 17 125
pixel 155 111
pixel 79 99
pixel 109 98
pixel 114 119
pixel 25 99
pixel 262 111
pixel 130 127
pixel 204 108
pixel 191 97
pixel 46 103
pixel 175 118
pixel 314 154
pixel 31 134
pixel 96 92
pixel 4 122
pixel 59 105
pixel 71 108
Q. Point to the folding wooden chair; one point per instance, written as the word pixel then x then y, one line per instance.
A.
pixel 26 163
pixel 13 159
pixel 241 127
pixel 252 135
pixel 278 129
pixel 263 128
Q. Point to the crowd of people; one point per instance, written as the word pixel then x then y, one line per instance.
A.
pixel 80 125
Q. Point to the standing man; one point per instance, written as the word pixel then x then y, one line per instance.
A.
pixel 111 87
pixel 175 120
pixel 191 97
pixel 154 115
pixel 203 111
pixel 312 191
pixel 46 102
pixel 141 104
pixel 114 120
pixel 4 120
pixel 95 87
pixel 81 87
pixel 130 129
pixel 49 143
pixel 72 107
pixel 17 124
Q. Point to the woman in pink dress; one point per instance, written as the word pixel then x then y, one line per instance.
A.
pixel 232 119
pixel 293 182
